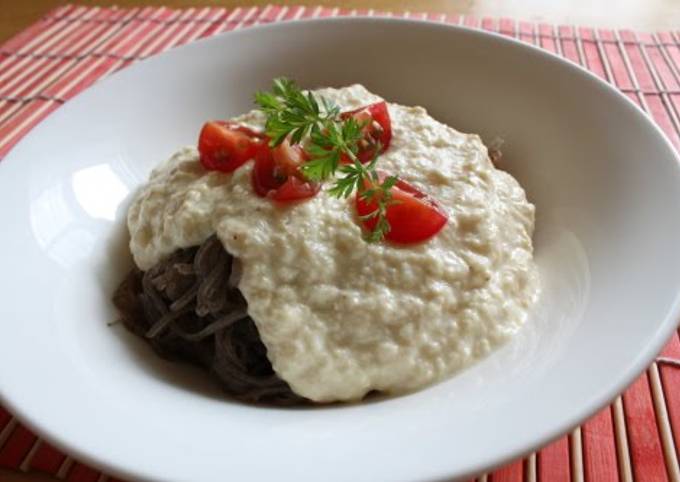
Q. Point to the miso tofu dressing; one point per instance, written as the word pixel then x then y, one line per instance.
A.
pixel 339 316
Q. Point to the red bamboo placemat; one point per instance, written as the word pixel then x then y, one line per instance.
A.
pixel 635 438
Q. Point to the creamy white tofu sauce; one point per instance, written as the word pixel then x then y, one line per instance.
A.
pixel 339 316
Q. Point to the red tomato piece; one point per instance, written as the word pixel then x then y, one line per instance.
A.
pixel 264 179
pixel 225 146
pixel 415 216
pixel 288 158
pixel 294 189
pixel 378 128
pixel 276 174
pixel 255 135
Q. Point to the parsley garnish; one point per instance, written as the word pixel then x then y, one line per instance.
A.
pixel 302 117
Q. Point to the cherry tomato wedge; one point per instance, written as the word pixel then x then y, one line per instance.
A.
pixel 234 126
pixel 378 129
pixel 288 158
pixel 276 174
pixel 415 216
pixel 225 146
pixel 294 189
pixel 264 178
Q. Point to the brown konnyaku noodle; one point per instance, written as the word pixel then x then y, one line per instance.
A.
pixel 189 309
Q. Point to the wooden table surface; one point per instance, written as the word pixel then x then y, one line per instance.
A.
pixel 635 14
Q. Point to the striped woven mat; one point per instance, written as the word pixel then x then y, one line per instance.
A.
pixel 637 437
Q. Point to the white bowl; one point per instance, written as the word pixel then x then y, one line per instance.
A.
pixel 604 179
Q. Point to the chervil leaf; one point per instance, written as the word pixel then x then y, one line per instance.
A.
pixel 389 182
pixel 302 118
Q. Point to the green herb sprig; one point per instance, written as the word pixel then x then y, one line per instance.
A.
pixel 299 117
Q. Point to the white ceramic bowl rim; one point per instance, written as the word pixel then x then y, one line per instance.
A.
pixel 605 394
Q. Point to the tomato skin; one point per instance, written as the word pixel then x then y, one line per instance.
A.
pixel 225 146
pixel 378 129
pixel 288 158
pixel 276 174
pixel 253 134
pixel 294 189
pixel 263 177
pixel 415 217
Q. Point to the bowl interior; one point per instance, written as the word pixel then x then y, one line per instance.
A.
pixel 601 175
